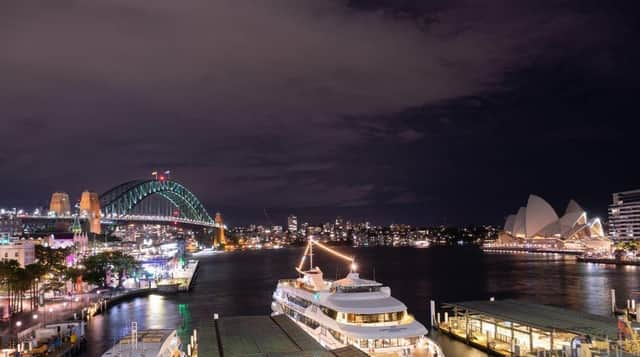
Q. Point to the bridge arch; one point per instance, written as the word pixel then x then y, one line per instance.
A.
pixel 122 199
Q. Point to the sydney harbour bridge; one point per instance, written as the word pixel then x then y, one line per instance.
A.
pixel 154 201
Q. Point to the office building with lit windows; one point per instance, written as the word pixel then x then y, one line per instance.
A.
pixel 292 223
pixel 624 215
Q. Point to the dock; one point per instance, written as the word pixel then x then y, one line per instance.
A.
pixel 504 249
pixel 518 328
pixel 245 336
pixel 607 260
pixel 182 279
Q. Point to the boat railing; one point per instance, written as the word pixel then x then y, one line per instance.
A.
pixel 296 284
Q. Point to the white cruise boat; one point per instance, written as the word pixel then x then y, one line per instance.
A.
pixel 147 343
pixel 350 311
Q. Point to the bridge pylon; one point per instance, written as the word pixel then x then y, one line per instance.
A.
pixel 218 237
pixel 90 205
pixel 60 203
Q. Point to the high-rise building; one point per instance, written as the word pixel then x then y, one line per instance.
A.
pixel 60 204
pixel 624 215
pixel 292 223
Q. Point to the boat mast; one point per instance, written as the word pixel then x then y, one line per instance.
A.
pixel 310 253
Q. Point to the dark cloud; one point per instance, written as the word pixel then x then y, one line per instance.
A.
pixel 400 110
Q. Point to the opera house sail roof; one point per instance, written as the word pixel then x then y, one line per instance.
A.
pixel 539 221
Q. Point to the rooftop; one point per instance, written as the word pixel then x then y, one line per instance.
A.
pixel 544 317
pixel 265 336
pixel 354 279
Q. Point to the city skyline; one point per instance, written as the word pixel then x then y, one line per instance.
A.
pixel 408 112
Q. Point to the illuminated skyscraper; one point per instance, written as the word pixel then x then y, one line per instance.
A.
pixel 292 223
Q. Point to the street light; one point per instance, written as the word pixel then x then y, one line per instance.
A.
pixel 35 316
pixel 19 323
pixel 45 315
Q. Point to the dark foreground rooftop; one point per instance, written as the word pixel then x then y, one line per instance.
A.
pixel 266 336
pixel 543 317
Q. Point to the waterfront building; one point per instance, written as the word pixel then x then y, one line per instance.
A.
pixel 624 215
pixel 22 251
pixel 538 224
pixel 68 240
pixel 292 223
pixel 518 328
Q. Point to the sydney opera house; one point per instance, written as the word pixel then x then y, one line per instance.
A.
pixel 537 225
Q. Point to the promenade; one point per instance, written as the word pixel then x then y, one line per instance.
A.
pixel 75 307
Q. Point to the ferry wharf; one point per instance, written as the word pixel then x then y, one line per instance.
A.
pixel 518 328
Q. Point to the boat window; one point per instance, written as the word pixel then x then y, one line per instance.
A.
pixel 375 318
pixel 298 301
pixel 337 335
pixel 357 289
pixel 300 317
pixel 329 312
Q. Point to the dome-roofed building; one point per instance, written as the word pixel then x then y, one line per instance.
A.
pixel 538 224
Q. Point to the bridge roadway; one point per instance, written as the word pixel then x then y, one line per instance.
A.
pixel 112 219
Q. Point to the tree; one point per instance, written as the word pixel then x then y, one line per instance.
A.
pixel 96 268
pixel 34 273
pixel 124 265
pixel 54 260
pixel 73 274
pixel 8 271
pixel 20 283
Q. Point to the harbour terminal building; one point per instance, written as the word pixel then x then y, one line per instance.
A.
pixel 537 226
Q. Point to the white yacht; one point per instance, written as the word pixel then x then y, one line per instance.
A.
pixel 350 311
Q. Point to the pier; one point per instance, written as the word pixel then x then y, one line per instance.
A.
pixel 517 328
pixel 512 248
pixel 182 278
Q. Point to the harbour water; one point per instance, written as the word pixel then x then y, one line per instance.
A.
pixel 241 283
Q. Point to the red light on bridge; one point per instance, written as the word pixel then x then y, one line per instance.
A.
pixel 161 178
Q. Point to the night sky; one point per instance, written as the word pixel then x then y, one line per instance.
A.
pixel 422 112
